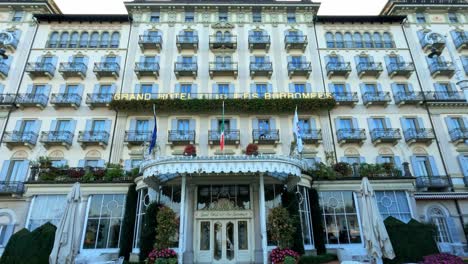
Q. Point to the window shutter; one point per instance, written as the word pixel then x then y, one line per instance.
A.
pixel 18 125
pixel 272 123
pixel 233 123
pixel 54 60
pixel 452 226
pixel 113 88
pixel 463 164
pixel 313 124
pixel 37 125
pixel 62 88
pixel 72 126
pixel 387 62
pixel 53 125
pixel 214 124
pixel 23 173
pixel 155 89
pixel 89 124
pixel 81 163
pixel 231 90
pixel 388 123
pixel 348 88
pixel 416 170
pixel 133 122
pixel 327 59
pixel 362 159
pixel 403 123
pixel 252 88
pixel 337 123
pixel 453 87
pixel 177 88
pixel 395 88
pixel 435 171
pixel 96 88
pixel 173 124
pixel 410 87
pixel 289 59
pixel 370 123
pixel 308 88
pixel 137 88
pixel 194 92
pixel 192 124
pixel 29 88
pixel 255 123
pixel 128 165
pixel 355 123
pixel 379 87
pixel 291 88
pixel 449 122
pixel 269 88
pixel 10 229
pixel 398 164
pixel 214 88
pixel 362 87
pixel 108 126
pixel 101 163
pixel 420 122
pixel 4 171
pixel 356 60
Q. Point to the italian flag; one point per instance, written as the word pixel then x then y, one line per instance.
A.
pixel 221 137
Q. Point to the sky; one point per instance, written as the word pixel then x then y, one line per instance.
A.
pixel 328 7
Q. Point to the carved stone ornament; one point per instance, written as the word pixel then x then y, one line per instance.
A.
pixel 351 152
pixel 20 154
pixel 222 25
pixel 222 204
pixel 385 151
pixel 420 151
pixel 56 154
pixel 93 154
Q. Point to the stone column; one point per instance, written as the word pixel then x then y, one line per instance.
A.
pixel 263 230
pixel 182 220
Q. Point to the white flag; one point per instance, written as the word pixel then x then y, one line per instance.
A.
pixel 297 132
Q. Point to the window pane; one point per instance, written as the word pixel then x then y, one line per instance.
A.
pixel 47 208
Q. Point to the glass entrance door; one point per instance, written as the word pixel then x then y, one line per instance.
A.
pixel 223 241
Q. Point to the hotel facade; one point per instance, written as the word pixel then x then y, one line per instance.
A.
pixel 78 90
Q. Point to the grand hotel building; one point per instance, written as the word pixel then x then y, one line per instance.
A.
pixel 65 74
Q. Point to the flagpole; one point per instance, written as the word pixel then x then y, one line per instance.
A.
pixel 222 126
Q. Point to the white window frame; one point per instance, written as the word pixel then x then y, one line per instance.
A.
pixel 394 193
pixel 304 192
pixel 34 203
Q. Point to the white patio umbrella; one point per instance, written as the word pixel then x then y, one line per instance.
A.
pixel 67 234
pixel 377 241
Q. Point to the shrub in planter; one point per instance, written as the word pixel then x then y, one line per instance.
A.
pixel 190 150
pixel 252 149
pixel 162 256
pixel 166 228
pixel 319 259
pixel 280 256
pixel 442 258
pixel 343 168
pixel 114 171
pixel 280 227
pixel 323 172
pixel 99 174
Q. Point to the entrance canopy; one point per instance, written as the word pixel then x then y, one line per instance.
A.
pixel 168 168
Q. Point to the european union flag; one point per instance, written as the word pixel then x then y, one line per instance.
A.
pixel 155 133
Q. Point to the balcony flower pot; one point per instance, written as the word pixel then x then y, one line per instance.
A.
pixel 190 151
pixel 251 150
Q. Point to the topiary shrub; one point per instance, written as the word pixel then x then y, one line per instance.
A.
pixel 148 230
pixel 317 222
pixel 166 228
pixel 281 227
pixel 113 171
pixel 291 203
pixel 319 259
pixel 128 224
pixel 343 168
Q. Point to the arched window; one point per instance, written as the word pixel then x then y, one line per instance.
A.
pixel 104 40
pixel 227 35
pixel 115 40
pixel 219 35
pixel 339 40
pixel 439 219
pixel 357 40
pixel 348 40
pixel 53 40
pixel 64 40
pixel 84 39
pixel 388 40
pixel 377 39
pixel 329 38
pixel 94 41
pixel 367 40
pixel 74 38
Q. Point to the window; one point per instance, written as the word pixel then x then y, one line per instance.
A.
pixel 227 125
pixel 183 125
pixel 264 124
pixel 46 208
pixel 357 39
pixel 330 39
pixel 143 202
pixel 154 17
pixel 91 163
pixel 272 200
pixel 17 16
pixel 142 126
pixel 299 88
pixel 94 41
pixel 208 196
pixel 39 89
pixel 98 125
pixel 291 16
pixel 339 88
pixel 27 126
pixel 186 88
pixel 78 59
pixel 257 16
pixel 104 221
pixel 423 166
pixel 370 88
pixel 53 40
pixel 58 163
pixel 17 170
pixel 261 89
pixel 189 16
pixel 452 17
pixel 378 123
pixel 105 89
pixel 105 40
pixel 74 40
pixel 115 40
pixel 84 39
pixel 63 125
pixel 63 40
pixel 346 123
pixel 393 203
pixel 439 219
pixel 377 38
pixel 304 213
pixel 420 18
pixel 367 40
pixel 339 40
pixel 339 217
pixel 223 89
pixel 146 88
pixel 223 15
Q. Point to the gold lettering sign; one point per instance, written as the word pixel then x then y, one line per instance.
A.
pixel 188 96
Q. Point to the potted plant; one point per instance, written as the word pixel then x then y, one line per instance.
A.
pixel 44 162
pixel 166 229
pixel 284 256
pixel 281 228
pixel 343 168
pixel 162 256
pixel 252 149
pixel 442 258
pixel 190 150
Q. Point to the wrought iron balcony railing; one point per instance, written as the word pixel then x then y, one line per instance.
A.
pixel 187 39
pixel 231 137
pixel 385 135
pixel 66 99
pixel 137 137
pixel 345 135
pixel 295 42
pixel 11 187
pixel 311 136
pixel 448 96
pixel 419 135
pixel 346 98
pixel 433 43
pixel 93 137
pixel 7 100
pixel 32 99
pixel 150 42
pixel 259 41
pixel 369 98
pixel 433 182
pixel 461 42
pixel 106 69
pixel 223 42
pixel 186 69
pixel 299 68
pixel 442 69
pixel 96 99
pixel 147 69
pixel 338 69
pixel 181 136
pixel 408 98
pixel 261 69
pixel 56 137
pixel 20 138
pixel 40 69
pixel 223 69
pixel 73 69
pixel 4 69
pixel 369 69
pixel 459 134
pixel 265 136
pixel 404 69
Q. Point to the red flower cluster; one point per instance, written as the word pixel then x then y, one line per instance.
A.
pixel 277 255
pixel 442 258
pixel 161 254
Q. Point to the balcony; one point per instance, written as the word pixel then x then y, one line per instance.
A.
pixel 4 69
pixel 376 98
pixel 223 69
pixel 7 100
pixel 461 42
pixel 345 136
pixel 311 136
pixel 459 135
pixel 338 69
pixel 346 98
pixel 259 42
pixel 225 42
pixel 231 137
pixel 385 135
pixel 439 44
pixel 32 100
pixel 77 174
pixel 19 138
pixel 187 42
pixel 262 136
pixel 438 69
pixel 13 45
pixel 186 69
pixel 409 98
pixel 40 69
pixel 150 42
pixel 56 138
pixel 369 69
pixel 11 187
pixel 93 138
pixel 419 135
pixel 137 138
pixel 447 97
pixel 106 69
pixel 73 69
pixel 433 182
pixel 264 69
pixel 98 100
pixel 146 69
pixel 181 137
pixel 65 100
pixel 295 42
pixel 299 69
pixel 401 69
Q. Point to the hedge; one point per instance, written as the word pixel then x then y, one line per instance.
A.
pixel 319 259
pixel 26 247
pixel 411 241
pixel 128 224
pixel 317 222
pixel 148 230
pixel 290 202
pixel 247 106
